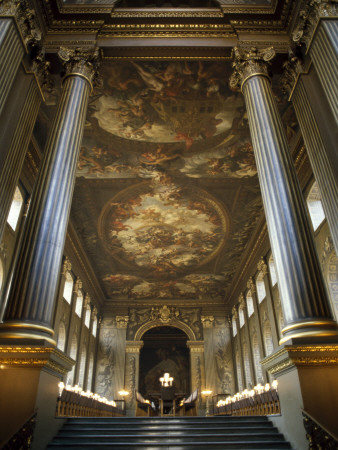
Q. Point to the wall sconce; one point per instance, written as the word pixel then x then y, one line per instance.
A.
pixel 123 393
pixel 166 380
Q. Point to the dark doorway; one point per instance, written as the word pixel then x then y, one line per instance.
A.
pixel 165 350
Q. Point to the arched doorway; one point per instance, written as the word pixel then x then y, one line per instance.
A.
pixel 164 350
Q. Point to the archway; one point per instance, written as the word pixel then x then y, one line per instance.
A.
pixel 164 350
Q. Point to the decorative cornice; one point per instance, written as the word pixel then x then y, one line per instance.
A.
pixel 249 63
pixel 208 321
pixel 302 355
pixel 122 321
pixel 47 358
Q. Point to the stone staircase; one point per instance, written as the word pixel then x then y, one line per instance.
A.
pixel 174 433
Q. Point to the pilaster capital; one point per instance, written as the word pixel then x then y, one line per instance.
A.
pixel 94 312
pixel 134 346
pixel 77 286
pixel 309 15
pixel 66 266
pixel 292 69
pixel 41 68
pixel 262 267
pixel 241 301
pixel 25 19
pixel 234 312
pixel 207 321
pixel 122 321
pixel 83 62
pixel 251 285
pixel 86 302
pixel 196 346
pixel 248 63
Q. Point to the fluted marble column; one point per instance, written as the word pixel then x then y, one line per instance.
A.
pixel 323 160
pixel 317 30
pixel 304 299
pixel 31 300
pixel 17 29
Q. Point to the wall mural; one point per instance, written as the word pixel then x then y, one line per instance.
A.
pixel 105 370
pixel 223 356
pixel 167 192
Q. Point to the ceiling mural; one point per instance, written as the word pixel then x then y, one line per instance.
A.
pixel 167 192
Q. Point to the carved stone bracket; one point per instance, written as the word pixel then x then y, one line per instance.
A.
pixel 248 63
pixel 83 62
pixel 25 19
pixel 122 321
pixel 208 321
pixel 309 15
pixel 262 267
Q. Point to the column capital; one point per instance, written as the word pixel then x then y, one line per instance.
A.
pixel 196 346
pixel 83 62
pixel 241 301
pixel 251 285
pixel 234 312
pixel 77 286
pixel 248 63
pixel 86 302
pixel 310 13
pixel 41 68
pixel 25 19
pixel 134 346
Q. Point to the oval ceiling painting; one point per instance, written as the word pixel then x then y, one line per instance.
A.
pixel 163 229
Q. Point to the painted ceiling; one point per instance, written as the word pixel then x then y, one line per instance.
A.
pixel 167 194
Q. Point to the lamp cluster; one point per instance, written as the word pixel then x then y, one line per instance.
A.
pixel 166 380
pixel 78 390
pixel 259 389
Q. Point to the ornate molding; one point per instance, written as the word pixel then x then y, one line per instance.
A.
pixel 301 355
pixel 164 314
pixel 248 63
pixel 309 16
pixel 178 13
pixel 47 358
pixel 196 346
pixel 262 267
pixel 208 321
pixel 122 321
pixel 83 62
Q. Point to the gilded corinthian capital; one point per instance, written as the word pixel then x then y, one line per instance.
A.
pixel 248 63
pixel 292 68
pixel 310 13
pixel 25 19
pixel 83 62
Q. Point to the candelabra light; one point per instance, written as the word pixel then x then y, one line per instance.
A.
pixel 166 380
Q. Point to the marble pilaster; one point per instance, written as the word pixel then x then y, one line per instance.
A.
pixel 303 295
pixel 197 367
pixel 132 369
pixel 32 297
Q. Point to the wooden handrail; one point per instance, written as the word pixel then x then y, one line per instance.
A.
pixel 22 439
pixel 317 435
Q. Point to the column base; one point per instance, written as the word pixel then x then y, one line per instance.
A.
pixel 307 380
pixel 29 378
pixel 25 333
pixel 318 331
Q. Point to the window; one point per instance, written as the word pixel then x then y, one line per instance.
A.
pixel 249 304
pixel 315 207
pixel 87 317
pixel 82 367
pixel 68 289
pixel 15 210
pixel 61 343
pixel 79 303
pixel 94 330
pixel 234 327
pixel 261 293
pixel 272 268
pixel 241 317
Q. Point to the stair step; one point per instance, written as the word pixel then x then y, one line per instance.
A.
pixel 172 430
